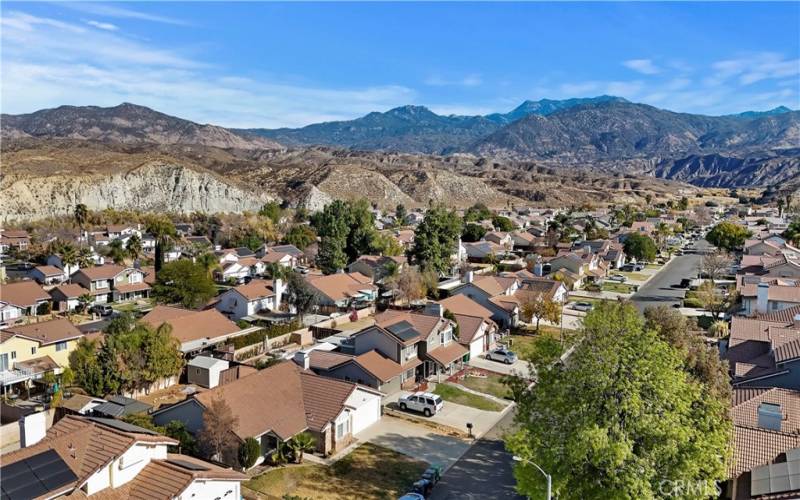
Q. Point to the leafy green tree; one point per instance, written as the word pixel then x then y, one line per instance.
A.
pixel 116 251
pixel 177 430
pixel 85 257
pixel 272 211
pixel 436 239
pixel 619 417
pixel 249 451
pixel 792 232
pixel 641 247
pixel 477 213
pixel 473 232
pixel 501 223
pixel 300 294
pixel 400 214
pixel 347 231
pixel 386 244
pixel 331 257
pixel 728 236
pixel 683 204
pixel 301 236
pixel 538 308
pixel 185 282
pixel 87 370
pixel 164 232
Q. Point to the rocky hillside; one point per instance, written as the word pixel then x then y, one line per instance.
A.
pixel 776 168
pixel 127 124
pixel 48 177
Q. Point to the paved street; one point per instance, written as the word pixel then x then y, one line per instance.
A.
pixel 662 288
pixel 484 471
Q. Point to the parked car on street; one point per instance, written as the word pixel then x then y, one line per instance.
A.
pixel 102 309
pixel 424 402
pixel 502 355
pixel 582 306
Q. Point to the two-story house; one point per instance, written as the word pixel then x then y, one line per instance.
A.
pixel 29 351
pixel 85 457
pixel 112 283
pixel 486 291
pixel 476 330
pixel 251 298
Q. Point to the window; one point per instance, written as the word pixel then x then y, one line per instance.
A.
pixel 13 354
pixel 340 430
pixel 33 350
pixel 101 284
pixel 61 346
pixel 3 362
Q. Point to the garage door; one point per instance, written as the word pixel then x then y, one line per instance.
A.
pixel 367 412
pixel 476 348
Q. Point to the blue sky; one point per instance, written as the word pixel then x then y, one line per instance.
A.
pixel 276 64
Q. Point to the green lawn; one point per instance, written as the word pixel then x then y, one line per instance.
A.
pixel 653 266
pixel 461 397
pixel 491 384
pixel 526 345
pixel 370 471
pixel 632 276
pixel 610 286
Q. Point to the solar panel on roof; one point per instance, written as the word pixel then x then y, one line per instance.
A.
pixel 35 476
pixel 186 464
pixel 403 330
pixel 122 426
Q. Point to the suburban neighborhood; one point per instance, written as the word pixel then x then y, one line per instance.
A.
pixel 255 363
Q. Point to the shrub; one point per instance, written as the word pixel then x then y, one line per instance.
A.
pixel 249 452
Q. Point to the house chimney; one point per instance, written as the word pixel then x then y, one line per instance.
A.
pixel 538 267
pixel 434 309
pixel 278 287
pixel 303 358
pixel 762 298
pixel 469 276
pixel 770 416
pixel 32 428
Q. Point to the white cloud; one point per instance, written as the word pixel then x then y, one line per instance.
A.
pixel 102 26
pixel 116 11
pixel 47 63
pixel 472 80
pixel 752 68
pixel 643 66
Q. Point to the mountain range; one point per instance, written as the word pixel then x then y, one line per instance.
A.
pixel 601 149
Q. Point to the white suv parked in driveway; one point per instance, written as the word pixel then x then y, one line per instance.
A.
pixel 425 402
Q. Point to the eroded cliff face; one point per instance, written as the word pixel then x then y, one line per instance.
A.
pixel 152 187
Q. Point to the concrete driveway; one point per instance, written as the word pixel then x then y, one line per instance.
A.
pixel 416 441
pixel 456 416
pixel 519 368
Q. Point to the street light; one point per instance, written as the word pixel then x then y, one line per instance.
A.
pixel 546 475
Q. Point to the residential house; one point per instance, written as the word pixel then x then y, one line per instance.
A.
pixel 403 336
pixel 476 330
pixel 48 275
pixel 112 283
pixel 765 351
pixel 297 256
pixel 405 237
pixel 762 295
pixel 121 231
pixel 505 240
pixel 66 297
pixel 523 240
pixel 643 227
pixel 29 351
pixel 772 246
pixel 484 251
pixel 195 330
pixel 377 266
pixel 13 238
pixel 371 368
pixel 84 457
pixel 766 443
pixel 578 266
pixel 23 298
pixel 282 401
pixel 612 252
pixel 343 291
pixel 251 298
pixel 280 258
pixel 488 291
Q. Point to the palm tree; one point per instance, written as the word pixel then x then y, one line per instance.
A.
pixel 301 443
pixel 81 215
pixel 84 301
pixel 164 231
pixel 116 251
pixel 85 257
pixel 134 247
pixel 209 262
pixel 69 257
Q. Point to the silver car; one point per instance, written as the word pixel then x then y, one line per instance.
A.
pixel 582 306
pixel 503 356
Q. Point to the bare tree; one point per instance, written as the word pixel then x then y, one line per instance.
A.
pixel 217 435
pixel 537 307
pixel 409 284
pixel 714 264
